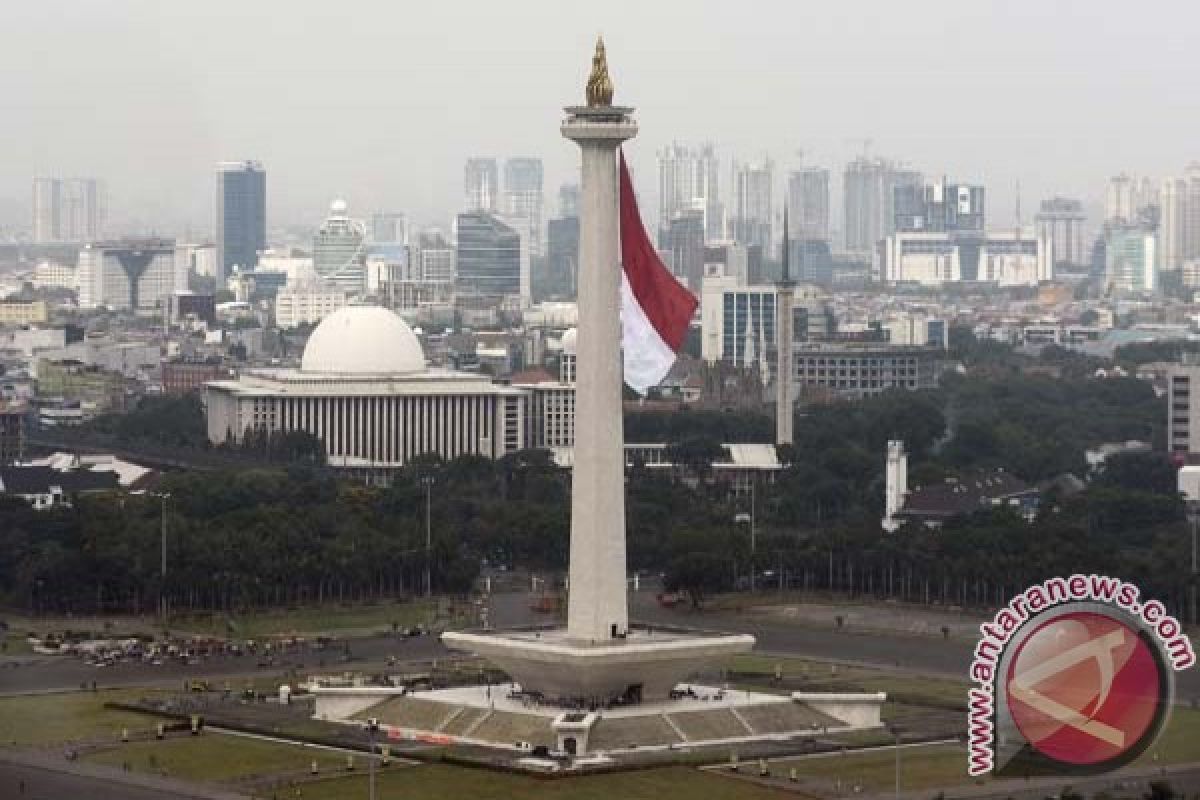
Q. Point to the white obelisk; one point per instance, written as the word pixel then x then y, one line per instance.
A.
pixel 597 608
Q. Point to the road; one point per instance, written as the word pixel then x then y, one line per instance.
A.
pixel 931 655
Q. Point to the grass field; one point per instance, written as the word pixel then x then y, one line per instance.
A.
pixel 55 718
pixel 309 621
pixel 1180 742
pixel 439 782
pixel 920 768
pixel 215 757
pixel 827 677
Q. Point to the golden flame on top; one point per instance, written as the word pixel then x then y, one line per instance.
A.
pixel 599 85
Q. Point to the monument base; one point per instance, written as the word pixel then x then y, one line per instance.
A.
pixel 645 665
pixel 503 717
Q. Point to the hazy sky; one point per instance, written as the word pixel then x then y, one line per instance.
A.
pixel 381 102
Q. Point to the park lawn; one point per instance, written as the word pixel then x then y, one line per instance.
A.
pixel 16 644
pixel 69 717
pixel 1180 742
pixel 217 757
pixel 920 768
pixel 823 676
pixel 443 782
pixel 309 621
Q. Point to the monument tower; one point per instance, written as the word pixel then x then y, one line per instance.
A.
pixel 598 657
pixel 597 608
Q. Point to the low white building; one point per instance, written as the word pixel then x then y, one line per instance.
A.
pixel 364 389
pixel 306 305
pixel 1006 258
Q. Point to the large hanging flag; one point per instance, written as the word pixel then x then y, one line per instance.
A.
pixel 655 308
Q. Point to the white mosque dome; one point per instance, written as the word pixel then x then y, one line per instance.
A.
pixel 363 340
pixel 568 342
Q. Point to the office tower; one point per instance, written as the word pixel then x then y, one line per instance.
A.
pixel 568 200
pixel 241 216
pixel 389 227
pixel 750 217
pixel 683 240
pixel 938 208
pixel 869 189
pixel 130 274
pixel 489 256
pixel 46 204
pixel 687 180
pixel 1172 230
pixel 1126 198
pixel 1191 212
pixel 481 184
pixel 562 261
pixel 339 251
pixel 808 203
pixel 1131 258
pixel 1060 219
pixel 523 201
pixel 435 258
pixel 67 210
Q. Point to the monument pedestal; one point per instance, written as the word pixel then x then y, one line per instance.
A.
pixel 648 664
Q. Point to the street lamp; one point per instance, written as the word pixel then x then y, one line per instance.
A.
pixel 427 481
pixel 895 731
pixel 162 585
pixel 372 729
pixel 743 517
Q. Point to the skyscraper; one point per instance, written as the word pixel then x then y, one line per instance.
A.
pixel 1061 219
pixel 523 201
pixel 67 210
pixel 568 200
pixel 869 189
pixel 241 216
pixel 1126 197
pixel 489 256
pixel 1131 258
pixel 808 203
pixel 1172 230
pixel 130 274
pixel 684 242
pixel 1191 213
pixel 687 180
pixel 389 227
pixel 753 188
pixel 339 251
pixel 481 184
pixel 939 207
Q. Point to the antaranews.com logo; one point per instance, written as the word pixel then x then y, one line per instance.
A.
pixel 1075 676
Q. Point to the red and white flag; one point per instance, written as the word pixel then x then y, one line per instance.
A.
pixel 655 308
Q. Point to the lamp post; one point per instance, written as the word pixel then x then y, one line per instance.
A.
pixel 427 481
pixel 372 729
pixel 162 586
pixel 895 731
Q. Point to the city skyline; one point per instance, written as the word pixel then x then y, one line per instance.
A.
pixel 191 108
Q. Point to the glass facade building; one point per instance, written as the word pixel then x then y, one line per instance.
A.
pixel 241 216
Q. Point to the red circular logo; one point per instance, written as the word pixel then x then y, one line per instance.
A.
pixel 1084 688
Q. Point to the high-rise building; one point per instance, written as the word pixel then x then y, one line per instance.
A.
pixel 241 216
pixel 687 180
pixel 1131 258
pixel 481 185
pixel 562 261
pixel 67 210
pixel 683 240
pixel 1183 416
pixel 340 252
pixel 1172 224
pixel 523 201
pixel 870 191
pixel 753 190
pixel 568 200
pixel 1061 220
pixel 1126 197
pixel 489 256
pixel 1191 213
pixel 938 208
pixel 389 227
pixel 808 203
pixel 435 258
pixel 130 274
